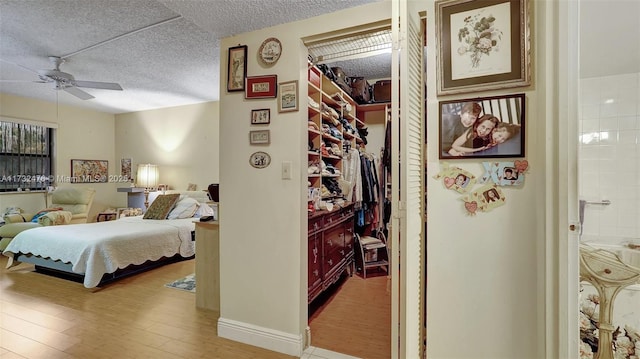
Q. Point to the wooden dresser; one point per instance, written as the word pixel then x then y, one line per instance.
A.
pixel 330 248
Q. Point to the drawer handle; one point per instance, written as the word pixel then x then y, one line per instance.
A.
pixel 330 262
pixel 316 273
pixel 315 254
pixel 342 252
pixel 315 225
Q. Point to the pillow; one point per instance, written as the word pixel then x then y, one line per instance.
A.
pixel 204 210
pixel 184 208
pixel 160 208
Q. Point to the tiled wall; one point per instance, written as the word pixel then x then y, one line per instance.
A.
pixel 609 157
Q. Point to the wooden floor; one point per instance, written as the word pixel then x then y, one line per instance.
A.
pixel 354 318
pixel 137 317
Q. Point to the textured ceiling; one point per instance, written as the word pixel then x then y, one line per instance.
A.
pixel 175 63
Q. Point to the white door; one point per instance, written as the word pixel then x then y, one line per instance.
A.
pixel 407 180
pixel 567 187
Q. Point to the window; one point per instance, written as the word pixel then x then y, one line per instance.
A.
pixel 26 156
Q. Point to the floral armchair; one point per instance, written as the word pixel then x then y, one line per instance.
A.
pixel 68 206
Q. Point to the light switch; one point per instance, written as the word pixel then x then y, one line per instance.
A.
pixel 286 170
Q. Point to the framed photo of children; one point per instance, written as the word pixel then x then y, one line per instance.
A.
pixel 482 45
pixel 482 127
pixel 236 68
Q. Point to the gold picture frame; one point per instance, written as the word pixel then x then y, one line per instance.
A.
pixel 482 45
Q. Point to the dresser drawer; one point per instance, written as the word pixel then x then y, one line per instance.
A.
pixel 315 224
pixel 348 235
pixel 333 239
pixel 331 262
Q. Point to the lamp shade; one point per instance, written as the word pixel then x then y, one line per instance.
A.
pixel 148 176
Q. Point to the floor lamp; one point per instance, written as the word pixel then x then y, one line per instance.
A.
pixel 148 178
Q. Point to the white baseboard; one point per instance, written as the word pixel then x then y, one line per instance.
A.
pixel 261 337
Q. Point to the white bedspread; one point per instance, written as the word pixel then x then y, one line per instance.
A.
pixel 94 249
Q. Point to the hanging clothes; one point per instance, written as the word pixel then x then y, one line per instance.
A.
pixel 352 177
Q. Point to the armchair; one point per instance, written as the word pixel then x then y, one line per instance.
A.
pixel 74 205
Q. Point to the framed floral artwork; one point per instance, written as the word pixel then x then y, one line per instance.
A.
pixel 236 68
pixel 482 45
pixel 89 171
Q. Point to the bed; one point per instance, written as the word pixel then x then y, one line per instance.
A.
pixel 96 253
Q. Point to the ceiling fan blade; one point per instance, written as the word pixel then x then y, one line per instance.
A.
pixel 78 93
pixel 18 81
pixel 20 66
pixel 98 85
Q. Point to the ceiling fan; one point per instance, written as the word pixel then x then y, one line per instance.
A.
pixel 66 82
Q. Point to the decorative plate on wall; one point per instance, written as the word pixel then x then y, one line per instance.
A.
pixel 270 51
pixel 260 159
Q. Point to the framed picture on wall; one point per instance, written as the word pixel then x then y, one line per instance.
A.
pixel 125 168
pixel 482 45
pixel 261 86
pixel 236 68
pixel 288 96
pixel 89 171
pixel 261 137
pixel 261 116
pixel 482 127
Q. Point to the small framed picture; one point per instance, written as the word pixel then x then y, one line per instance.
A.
pixel 260 160
pixel 237 68
pixel 261 137
pixel 483 127
pixel 261 86
pixel 288 96
pixel 125 168
pixel 261 116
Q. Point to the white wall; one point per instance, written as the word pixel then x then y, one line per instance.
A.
pixel 486 272
pixel 608 159
pixel 263 217
pixel 81 134
pixel 182 141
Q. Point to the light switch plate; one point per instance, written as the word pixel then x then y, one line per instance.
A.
pixel 286 170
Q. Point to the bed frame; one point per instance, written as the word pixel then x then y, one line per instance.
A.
pixel 63 270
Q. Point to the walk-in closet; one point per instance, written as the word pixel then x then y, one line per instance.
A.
pixel 349 205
